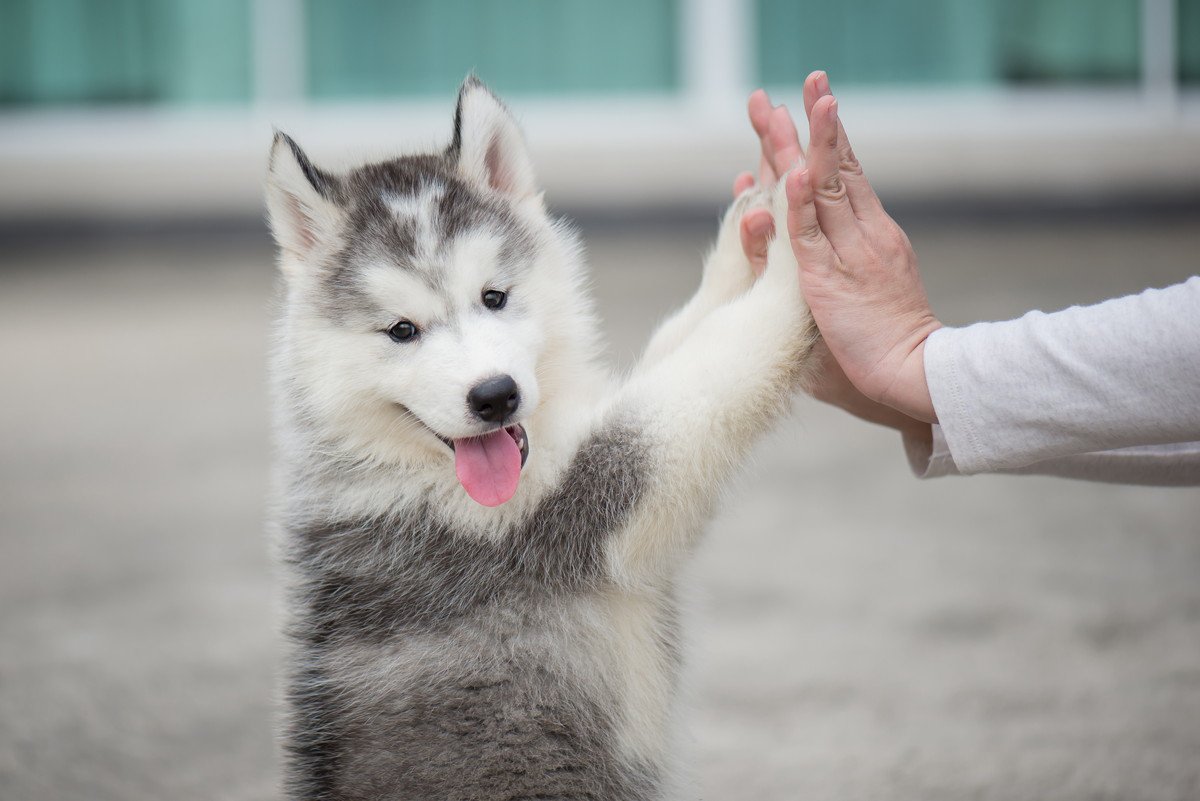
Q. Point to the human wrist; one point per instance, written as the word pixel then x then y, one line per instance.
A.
pixel 909 391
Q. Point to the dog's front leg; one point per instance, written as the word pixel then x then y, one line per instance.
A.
pixel 703 404
pixel 727 274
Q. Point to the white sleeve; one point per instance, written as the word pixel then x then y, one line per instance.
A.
pixel 1101 378
pixel 1175 464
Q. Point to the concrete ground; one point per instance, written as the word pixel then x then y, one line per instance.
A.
pixel 857 634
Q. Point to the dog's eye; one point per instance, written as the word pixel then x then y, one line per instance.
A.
pixel 402 331
pixel 494 298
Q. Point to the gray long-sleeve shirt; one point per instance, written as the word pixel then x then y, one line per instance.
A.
pixel 1109 392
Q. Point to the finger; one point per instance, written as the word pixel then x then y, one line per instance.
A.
pixel 744 181
pixel 812 250
pixel 760 112
pixel 756 229
pixel 816 86
pixel 836 214
pixel 785 142
pixel 862 195
pixel 760 109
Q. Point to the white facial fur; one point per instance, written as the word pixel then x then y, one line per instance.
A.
pixel 461 341
pixel 361 381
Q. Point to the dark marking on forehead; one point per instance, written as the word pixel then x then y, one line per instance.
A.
pixel 375 233
pixel 458 209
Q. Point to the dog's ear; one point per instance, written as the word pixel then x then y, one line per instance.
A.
pixel 300 200
pixel 488 145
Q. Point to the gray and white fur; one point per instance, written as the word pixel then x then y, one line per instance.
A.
pixel 442 649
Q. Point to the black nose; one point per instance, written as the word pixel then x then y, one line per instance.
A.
pixel 494 399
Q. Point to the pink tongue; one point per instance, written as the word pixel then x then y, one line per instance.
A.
pixel 489 467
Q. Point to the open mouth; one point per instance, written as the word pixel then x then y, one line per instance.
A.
pixel 517 432
pixel 489 466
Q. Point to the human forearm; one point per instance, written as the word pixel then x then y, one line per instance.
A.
pixel 1086 379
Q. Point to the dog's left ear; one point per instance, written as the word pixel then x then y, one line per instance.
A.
pixel 300 201
pixel 488 145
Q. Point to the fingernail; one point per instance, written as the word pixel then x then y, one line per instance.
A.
pixel 822 83
pixel 833 109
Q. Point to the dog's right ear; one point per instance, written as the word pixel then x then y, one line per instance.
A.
pixel 300 200
pixel 488 146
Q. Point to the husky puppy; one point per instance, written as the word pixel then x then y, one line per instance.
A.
pixel 481 526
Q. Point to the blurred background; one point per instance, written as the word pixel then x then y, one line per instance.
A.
pixel 857 633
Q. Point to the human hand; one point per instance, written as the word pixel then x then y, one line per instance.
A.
pixel 781 151
pixel 857 269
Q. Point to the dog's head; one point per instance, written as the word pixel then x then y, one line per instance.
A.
pixel 427 298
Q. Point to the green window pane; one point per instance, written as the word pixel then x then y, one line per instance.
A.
pixel 209 45
pixel 877 41
pixel 1082 41
pixel 123 51
pixel 377 48
pixel 1189 41
pixel 949 42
